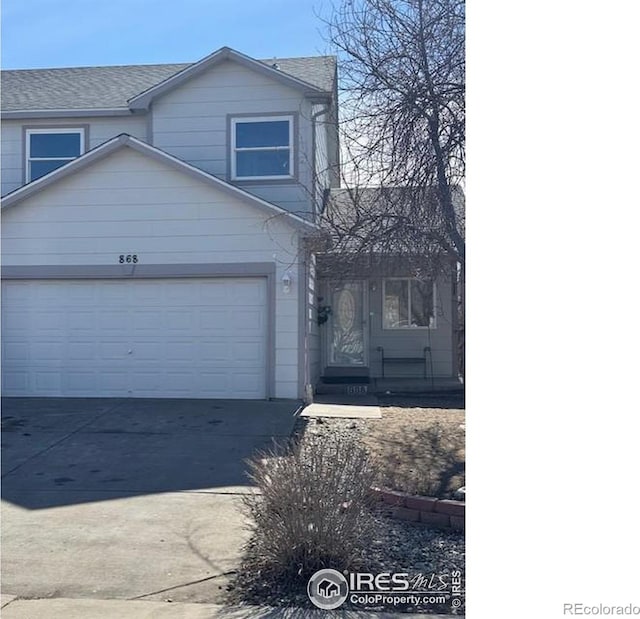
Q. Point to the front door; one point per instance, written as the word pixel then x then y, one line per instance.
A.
pixel 347 324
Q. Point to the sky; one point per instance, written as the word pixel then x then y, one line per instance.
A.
pixel 57 33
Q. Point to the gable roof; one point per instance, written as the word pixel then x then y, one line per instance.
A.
pixel 111 89
pixel 127 141
pixel 143 100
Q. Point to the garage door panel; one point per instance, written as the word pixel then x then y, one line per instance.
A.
pixel 81 351
pixel 145 320
pixel 179 382
pixel 18 292
pixel 147 338
pixel 114 382
pixel 246 383
pixel 182 294
pixel 249 353
pixel 14 322
pixel 184 350
pixel 48 351
pixel 46 292
pixel 15 382
pixel 217 294
pixel 244 294
pixel 247 321
pixel 80 381
pixel 51 320
pixel 46 381
pixel 83 321
pixel 168 351
pixel 147 381
pixel 215 384
pixel 112 321
pixel 15 351
pixel 153 351
pixel 214 350
pixel 81 295
pixel 180 321
pixel 148 293
pixel 113 293
pixel 113 349
pixel 215 321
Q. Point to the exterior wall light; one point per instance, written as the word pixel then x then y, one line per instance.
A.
pixel 286 282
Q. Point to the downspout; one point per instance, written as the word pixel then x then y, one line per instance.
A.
pixel 307 387
pixel 314 190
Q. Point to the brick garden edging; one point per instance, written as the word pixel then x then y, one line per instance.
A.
pixel 437 513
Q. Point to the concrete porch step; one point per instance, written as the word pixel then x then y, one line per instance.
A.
pixel 343 389
pixel 393 385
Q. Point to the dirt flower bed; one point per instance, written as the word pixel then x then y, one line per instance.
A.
pixel 419 445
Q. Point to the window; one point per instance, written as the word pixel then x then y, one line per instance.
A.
pixel 48 149
pixel 262 148
pixel 408 303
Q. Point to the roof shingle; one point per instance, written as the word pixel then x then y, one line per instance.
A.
pixel 92 88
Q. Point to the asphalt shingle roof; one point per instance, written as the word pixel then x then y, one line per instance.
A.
pixel 79 88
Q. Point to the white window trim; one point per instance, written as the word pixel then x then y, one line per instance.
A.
pixel 49 130
pixel 234 149
pixel 432 322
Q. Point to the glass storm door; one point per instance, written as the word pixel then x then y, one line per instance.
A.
pixel 347 334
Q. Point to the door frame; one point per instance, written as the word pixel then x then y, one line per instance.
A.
pixel 365 323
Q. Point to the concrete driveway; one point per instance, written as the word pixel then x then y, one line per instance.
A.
pixel 128 499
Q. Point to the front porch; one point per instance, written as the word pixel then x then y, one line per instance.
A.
pixel 393 334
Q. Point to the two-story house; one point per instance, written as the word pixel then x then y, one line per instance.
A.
pixel 156 226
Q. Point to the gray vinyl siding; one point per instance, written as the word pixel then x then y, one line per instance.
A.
pixel 192 123
pixel 411 342
pixel 99 131
pixel 401 342
pixel 129 203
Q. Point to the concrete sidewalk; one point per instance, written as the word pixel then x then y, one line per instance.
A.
pixel 344 407
pixel 67 608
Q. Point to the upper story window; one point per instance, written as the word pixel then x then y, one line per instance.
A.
pixel 408 303
pixel 48 149
pixel 262 148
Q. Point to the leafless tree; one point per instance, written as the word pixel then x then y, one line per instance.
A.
pixel 402 89
pixel 402 76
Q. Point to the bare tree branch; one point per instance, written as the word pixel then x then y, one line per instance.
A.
pixel 402 127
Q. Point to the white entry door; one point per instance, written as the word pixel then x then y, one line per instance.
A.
pixel 187 338
pixel 347 339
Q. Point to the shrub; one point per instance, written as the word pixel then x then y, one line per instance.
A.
pixel 313 510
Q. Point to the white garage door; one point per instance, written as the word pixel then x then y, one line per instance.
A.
pixel 190 338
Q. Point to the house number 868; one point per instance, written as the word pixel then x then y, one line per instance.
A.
pixel 128 258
